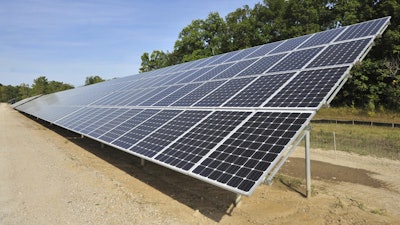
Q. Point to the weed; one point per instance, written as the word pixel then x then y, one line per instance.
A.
pixel 339 203
pixel 291 182
pixel 381 212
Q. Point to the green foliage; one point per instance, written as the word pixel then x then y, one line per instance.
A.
pixel 157 60
pixel 203 38
pixel 93 79
pixel 40 86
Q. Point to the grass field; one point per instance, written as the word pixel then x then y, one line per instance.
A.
pixel 348 113
pixel 360 139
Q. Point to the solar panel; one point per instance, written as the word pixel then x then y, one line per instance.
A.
pixel 226 119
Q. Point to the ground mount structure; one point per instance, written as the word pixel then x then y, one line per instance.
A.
pixel 229 119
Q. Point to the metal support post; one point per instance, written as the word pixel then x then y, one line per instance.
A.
pixel 238 199
pixel 102 145
pixel 82 136
pixel 308 162
pixel 142 162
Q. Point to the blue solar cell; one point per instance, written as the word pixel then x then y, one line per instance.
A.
pixel 177 77
pixel 241 54
pixel 196 143
pixel 264 50
pixel 363 29
pixel 340 53
pixel 121 116
pixel 164 136
pixel 290 44
pixel 104 118
pixel 168 100
pixel 87 120
pixel 241 161
pixel 223 58
pixel 234 69
pixel 148 125
pixel 261 65
pixel 195 75
pixel 224 92
pixel 214 72
pixel 127 125
pixel 259 91
pixel 296 60
pixel 78 118
pixel 198 93
pixel 147 94
pixel 308 89
pixel 160 95
pixel 322 37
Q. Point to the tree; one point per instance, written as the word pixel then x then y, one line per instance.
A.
pixel 39 86
pixel 24 91
pixel 8 93
pixel 93 79
pixel 202 38
pixel 55 86
pixel 157 59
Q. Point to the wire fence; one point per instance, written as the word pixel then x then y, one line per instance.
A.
pixel 386 145
pixel 356 122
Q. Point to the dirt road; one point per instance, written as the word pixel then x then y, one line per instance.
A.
pixel 52 176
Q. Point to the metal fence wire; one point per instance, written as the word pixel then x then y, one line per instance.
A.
pixel 385 146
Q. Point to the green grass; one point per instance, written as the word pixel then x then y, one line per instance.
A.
pixel 348 113
pixel 360 139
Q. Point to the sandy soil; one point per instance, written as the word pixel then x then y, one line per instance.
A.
pixel 52 176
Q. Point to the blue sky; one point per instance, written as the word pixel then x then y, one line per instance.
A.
pixel 68 40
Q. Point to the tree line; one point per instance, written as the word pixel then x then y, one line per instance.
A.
pixel 374 84
pixel 40 86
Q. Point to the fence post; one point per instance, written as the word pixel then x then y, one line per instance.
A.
pixel 334 144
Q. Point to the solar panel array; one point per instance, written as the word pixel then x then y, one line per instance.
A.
pixel 226 119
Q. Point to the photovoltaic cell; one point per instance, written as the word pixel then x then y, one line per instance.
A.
pixel 259 91
pixel 143 129
pixel 195 144
pixel 178 77
pixel 127 125
pixel 242 54
pixel 242 159
pixel 295 60
pixel 214 72
pixel 121 116
pixel 224 92
pixel 160 95
pixel 86 113
pixel 363 29
pixel 86 125
pixel 111 113
pixel 164 136
pixel 340 53
pixel 308 89
pixel 198 93
pixel 235 69
pixel 168 100
pixel 195 75
pixel 261 65
pixel 264 50
pixel 224 58
pixel 322 37
pixel 290 44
